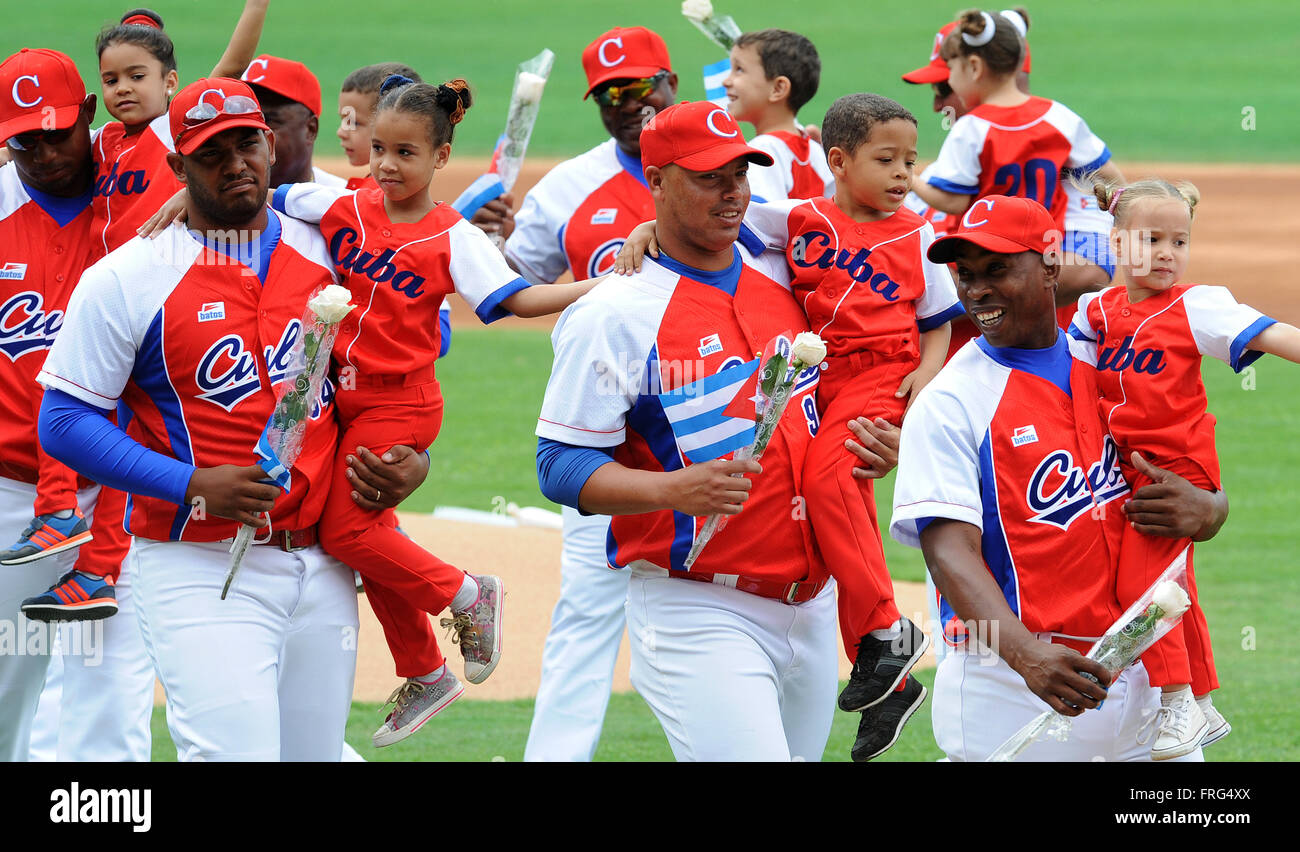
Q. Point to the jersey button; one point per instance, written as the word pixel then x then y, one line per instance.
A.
pixel 387 233
pixel 1125 312
pixel 58 249
pixel 59 277
pixel 248 285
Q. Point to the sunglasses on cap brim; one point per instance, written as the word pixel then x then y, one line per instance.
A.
pixel 612 96
pixel 203 112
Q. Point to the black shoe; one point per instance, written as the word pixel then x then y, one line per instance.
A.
pixel 881 725
pixel 881 666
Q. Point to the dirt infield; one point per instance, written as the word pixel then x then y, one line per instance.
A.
pixel 1244 238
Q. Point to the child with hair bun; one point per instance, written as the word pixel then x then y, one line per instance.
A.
pixel 1149 336
pixel 400 253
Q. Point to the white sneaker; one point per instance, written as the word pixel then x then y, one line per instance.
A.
pixel 1180 727
pixel 1218 726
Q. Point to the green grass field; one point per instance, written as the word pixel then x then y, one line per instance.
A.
pixel 1158 80
pixel 493 381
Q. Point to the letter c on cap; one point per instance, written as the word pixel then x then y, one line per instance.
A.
pixel 714 128
pixel 260 77
pixel 600 52
pixel 207 92
pixel 18 99
pixel 970 223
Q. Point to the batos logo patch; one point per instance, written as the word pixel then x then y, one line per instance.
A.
pixel 212 311
pixel 604 216
pixel 710 345
pixel 13 271
pixel 1024 435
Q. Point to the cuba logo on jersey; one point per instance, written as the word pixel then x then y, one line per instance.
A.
pixel 26 326
pixel 1060 491
pixel 349 256
pixel 131 182
pixel 1119 358
pixel 227 373
pixel 602 259
pixel 815 249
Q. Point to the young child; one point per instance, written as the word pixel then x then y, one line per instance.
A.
pixel 859 269
pixel 137 67
pixel 1150 336
pixel 357 99
pixel 773 74
pixel 400 253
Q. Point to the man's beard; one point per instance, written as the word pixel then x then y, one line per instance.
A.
pixel 232 213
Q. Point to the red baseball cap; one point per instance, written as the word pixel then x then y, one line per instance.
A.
pixel 1001 224
pixel 936 70
pixel 696 135
pixel 624 53
pixel 39 90
pixel 222 103
pixel 287 78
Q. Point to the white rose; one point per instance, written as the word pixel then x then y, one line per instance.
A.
pixel 808 348
pixel 332 303
pixel 1171 599
pixel 697 10
pixel 528 88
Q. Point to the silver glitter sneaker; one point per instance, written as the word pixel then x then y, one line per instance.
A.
pixel 478 629
pixel 416 704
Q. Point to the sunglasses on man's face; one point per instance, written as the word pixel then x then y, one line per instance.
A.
pixel 29 141
pixel 612 96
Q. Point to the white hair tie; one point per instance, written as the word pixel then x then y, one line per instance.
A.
pixel 1014 18
pixel 990 27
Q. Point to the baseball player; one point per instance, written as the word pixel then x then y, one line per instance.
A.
pixel 1005 472
pixel 773 74
pixel 736 657
pixel 1147 340
pixel 193 333
pixel 575 219
pixel 291 101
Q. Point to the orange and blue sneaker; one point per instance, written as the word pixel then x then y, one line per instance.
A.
pixel 45 536
pixel 76 597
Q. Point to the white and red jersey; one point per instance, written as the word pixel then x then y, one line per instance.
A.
pixel 624 344
pixel 399 274
pixel 194 342
pixel 1010 441
pixel 366 181
pixel 1148 357
pixel 578 216
pixel 798 169
pixel 45 245
pixel 132 178
pixel 1018 151
pixel 864 286
pixel 329 179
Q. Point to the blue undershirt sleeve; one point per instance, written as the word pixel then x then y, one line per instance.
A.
pixel 79 435
pixel 562 469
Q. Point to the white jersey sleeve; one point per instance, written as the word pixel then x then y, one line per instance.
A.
pixel 479 272
pixel 769 221
pixel 940 296
pixel 770 183
pixel 1087 152
pixel 324 178
pixel 534 246
pixel 1085 340
pixel 1222 326
pixel 957 169
pixel 307 201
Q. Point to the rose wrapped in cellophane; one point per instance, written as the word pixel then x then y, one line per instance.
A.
pixel 720 29
pixel 776 382
pixel 1151 616
pixel 296 396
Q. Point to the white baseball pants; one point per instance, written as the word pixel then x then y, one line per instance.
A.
pixel 979 701
pixel 730 675
pixel 25 646
pixel 265 674
pixel 581 647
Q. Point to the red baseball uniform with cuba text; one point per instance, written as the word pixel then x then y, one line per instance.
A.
pixel 132 178
pixel 868 290
pixel 399 274
pixel 1148 357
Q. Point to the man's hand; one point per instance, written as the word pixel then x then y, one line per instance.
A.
pixel 234 492
pixel 496 217
pixel 173 212
pixel 383 483
pixel 876 447
pixel 1172 507
pixel 1052 672
pixel 709 488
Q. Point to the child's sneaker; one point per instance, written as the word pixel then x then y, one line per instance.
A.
pixel 76 597
pixel 1180 726
pixel 45 536
pixel 881 665
pixel 881 724
pixel 417 702
pixel 1218 726
pixel 478 629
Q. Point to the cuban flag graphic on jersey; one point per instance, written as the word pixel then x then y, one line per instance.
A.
pixel 703 414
